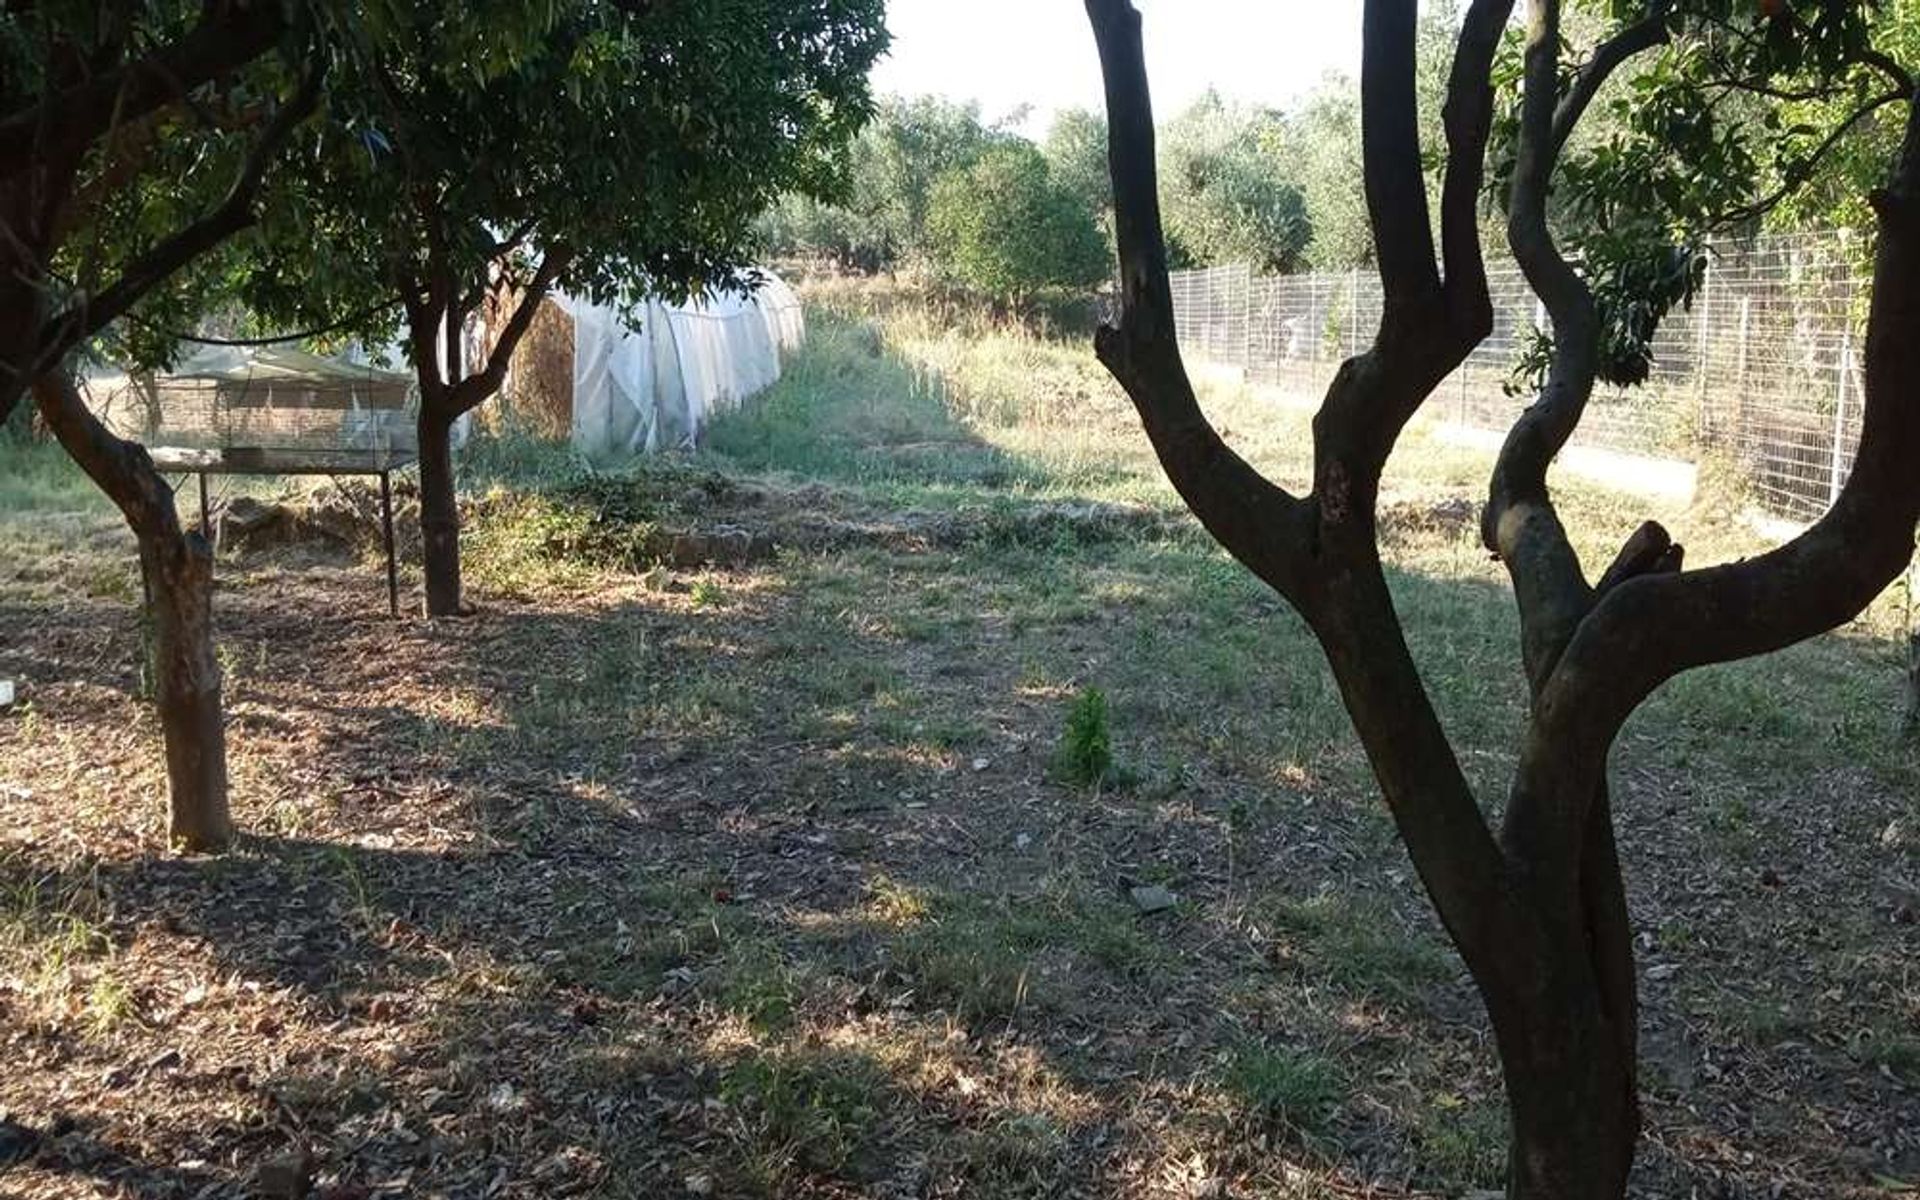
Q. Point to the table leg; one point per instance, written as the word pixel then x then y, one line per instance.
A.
pixel 386 530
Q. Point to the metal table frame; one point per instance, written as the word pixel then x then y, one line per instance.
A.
pixel 266 461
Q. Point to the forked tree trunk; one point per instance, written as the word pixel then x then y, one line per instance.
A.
pixel 436 317
pixel 179 573
pixel 439 516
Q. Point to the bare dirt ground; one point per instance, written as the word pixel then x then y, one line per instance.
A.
pixel 757 883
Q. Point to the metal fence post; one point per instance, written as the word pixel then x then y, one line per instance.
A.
pixel 1353 312
pixel 1703 321
pixel 1840 417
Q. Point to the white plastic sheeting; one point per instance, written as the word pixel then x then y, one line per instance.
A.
pixel 655 380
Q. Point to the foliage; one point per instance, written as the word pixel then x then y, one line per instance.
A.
pixel 1085 757
pixel 1323 155
pixel 878 218
pixel 120 182
pixel 1076 150
pixel 643 142
pixel 1225 196
pixel 1746 117
pixel 1004 228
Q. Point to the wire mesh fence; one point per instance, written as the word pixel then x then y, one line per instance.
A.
pixel 1762 369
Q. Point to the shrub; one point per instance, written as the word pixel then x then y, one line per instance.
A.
pixel 1003 227
pixel 1086 748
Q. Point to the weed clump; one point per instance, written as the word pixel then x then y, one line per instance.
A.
pixel 1085 758
pixel 1275 1083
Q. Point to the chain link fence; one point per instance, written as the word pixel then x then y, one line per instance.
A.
pixel 1762 370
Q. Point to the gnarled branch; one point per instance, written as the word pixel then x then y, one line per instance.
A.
pixel 1390 156
pixel 1258 522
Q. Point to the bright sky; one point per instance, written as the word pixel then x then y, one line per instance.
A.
pixel 1004 53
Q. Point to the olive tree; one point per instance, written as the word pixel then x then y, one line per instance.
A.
pixel 1536 907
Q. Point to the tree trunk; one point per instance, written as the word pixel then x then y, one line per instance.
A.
pixel 1575 1116
pixel 179 573
pixel 178 568
pixel 439 517
pixel 1565 1011
pixel 1911 723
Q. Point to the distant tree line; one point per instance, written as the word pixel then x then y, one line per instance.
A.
pixel 934 187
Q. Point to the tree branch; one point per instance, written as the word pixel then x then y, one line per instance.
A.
pixel 1468 117
pixel 1833 570
pixel 470 392
pixel 228 37
pixel 120 468
pixel 88 314
pixel 1390 155
pixel 1885 63
pixel 1764 205
pixel 1258 522
pixel 1645 34
pixel 1519 523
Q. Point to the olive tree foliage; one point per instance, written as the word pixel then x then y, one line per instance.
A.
pixel 1225 190
pixel 1536 902
pixel 611 151
pixel 1005 228
pixel 1076 150
pixel 1322 145
pixel 1323 158
pixel 875 218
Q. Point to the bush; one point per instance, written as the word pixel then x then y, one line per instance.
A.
pixel 1004 228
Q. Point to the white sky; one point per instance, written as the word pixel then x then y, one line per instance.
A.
pixel 1004 53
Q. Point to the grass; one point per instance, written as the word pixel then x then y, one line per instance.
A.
pixel 805 1112
pixel 1085 757
pixel 1296 1088
pixel 1360 945
pixel 764 876
pixel 39 478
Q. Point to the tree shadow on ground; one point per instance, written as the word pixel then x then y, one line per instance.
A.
pixel 773 894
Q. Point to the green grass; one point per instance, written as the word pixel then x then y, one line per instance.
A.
pixel 799 726
pixel 36 476
pixel 1297 1088
pixel 806 1112
pixel 1085 756
pixel 993 959
pixel 1462 1144
pixel 1359 945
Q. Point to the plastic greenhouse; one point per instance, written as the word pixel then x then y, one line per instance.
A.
pixel 654 382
